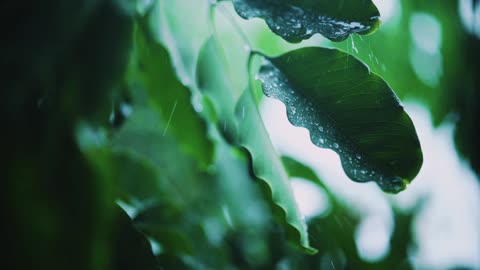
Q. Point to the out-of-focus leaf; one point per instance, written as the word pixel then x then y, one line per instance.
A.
pixel 296 169
pixel 334 234
pixel 183 38
pixel 141 138
pixel 349 110
pixel 144 157
pixel 217 88
pixel 466 103
pixel 137 181
pixel 130 249
pixel 170 97
pixel 164 223
pixel 62 61
pixel 298 20
pixel 246 129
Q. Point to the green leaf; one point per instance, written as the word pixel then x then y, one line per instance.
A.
pixel 130 248
pixel 268 167
pixel 296 169
pixel 298 20
pixel 245 128
pixel 348 109
pixel 147 179
pixel 167 225
pixel 167 95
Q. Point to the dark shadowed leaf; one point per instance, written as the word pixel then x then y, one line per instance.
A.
pixel 130 248
pixel 295 20
pixel 349 110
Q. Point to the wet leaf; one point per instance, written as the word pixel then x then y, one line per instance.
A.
pixel 167 95
pixel 247 130
pixel 349 110
pixel 298 20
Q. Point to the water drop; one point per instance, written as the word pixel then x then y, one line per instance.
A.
pixel 353 46
pixel 322 141
pixel 126 109
pixel 320 128
pixel 335 145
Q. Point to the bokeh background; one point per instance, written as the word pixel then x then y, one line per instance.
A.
pixel 115 161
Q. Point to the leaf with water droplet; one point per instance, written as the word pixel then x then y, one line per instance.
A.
pixel 369 129
pixel 298 20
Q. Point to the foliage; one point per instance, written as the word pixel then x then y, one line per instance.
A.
pixel 123 103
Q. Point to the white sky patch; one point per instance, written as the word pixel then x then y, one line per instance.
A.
pixel 428 67
pixel 448 227
pixel 426 32
pixel 373 238
pixel 425 55
pixel 390 10
pixel 311 199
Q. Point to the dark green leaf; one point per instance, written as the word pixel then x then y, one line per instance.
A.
pixel 300 19
pixel 166 225
pixel 349 110
pixel 130 248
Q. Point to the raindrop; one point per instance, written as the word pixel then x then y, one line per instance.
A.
pixel 320 128
pixel 170 118
pixel 126 109
pixel 335 145
pixel 353 46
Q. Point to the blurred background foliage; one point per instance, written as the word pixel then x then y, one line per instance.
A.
pixel 114 160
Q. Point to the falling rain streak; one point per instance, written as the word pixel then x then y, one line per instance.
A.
pixel 170 117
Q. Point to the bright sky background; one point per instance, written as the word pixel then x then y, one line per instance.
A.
pixel 447 229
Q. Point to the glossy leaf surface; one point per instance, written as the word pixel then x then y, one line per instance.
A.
pixel 298 20
pixel 348 109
